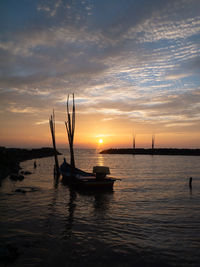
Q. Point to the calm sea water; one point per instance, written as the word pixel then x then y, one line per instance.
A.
pixel 151 218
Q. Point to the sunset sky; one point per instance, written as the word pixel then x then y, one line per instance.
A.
pixel 133 65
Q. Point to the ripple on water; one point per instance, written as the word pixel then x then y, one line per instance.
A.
pixel 151 218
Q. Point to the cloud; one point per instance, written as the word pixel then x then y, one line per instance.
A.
pixel 167 110
pixel 180 124
pixel 51 10
pixel 103 135
pixel 108 119
pixel 22 110
pixel 47 122
pixel 177 76
pixel 57 55
pixel 136 60
pixel 42 122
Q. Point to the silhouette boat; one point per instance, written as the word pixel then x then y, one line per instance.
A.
pixel 74 176
pixel 86 180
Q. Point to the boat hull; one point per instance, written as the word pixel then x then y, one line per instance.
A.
pixel 85 180
pixel 88 182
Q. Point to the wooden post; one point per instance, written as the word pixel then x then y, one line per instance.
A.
pixel 190 182
pixel 70 127
pixel 52 129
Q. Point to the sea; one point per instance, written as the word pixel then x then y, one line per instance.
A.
pixel 151 218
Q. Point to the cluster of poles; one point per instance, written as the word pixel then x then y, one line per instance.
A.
pixel 70 127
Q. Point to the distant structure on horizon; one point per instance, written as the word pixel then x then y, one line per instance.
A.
pixel 153 141
pixel 133 141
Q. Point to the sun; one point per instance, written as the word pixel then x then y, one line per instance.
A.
pixel 100 141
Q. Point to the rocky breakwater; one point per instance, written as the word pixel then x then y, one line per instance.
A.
pixel 155 151
pixel 10 159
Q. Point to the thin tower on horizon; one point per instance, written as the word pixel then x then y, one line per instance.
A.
pixel 133 141
pixel 153 141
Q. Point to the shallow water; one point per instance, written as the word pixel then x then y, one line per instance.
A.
pixel 151 218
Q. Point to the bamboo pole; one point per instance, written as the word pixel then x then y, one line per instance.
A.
pixel 52 129
pixel 70 127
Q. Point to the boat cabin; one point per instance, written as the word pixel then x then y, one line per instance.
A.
pixel 101 171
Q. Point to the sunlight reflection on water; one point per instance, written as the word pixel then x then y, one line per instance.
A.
pixel 150 218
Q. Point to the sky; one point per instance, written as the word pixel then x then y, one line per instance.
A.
pixel 133 65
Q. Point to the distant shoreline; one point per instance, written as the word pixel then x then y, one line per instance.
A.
pixel 10 158
pixel 155 151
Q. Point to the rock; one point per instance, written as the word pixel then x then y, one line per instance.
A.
pixel 20 177
pixel 26 189
pixel 25 172
pixel 10 159
pixel 16 177
pixel 19 190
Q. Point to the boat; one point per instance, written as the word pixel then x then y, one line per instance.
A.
pixel 75 177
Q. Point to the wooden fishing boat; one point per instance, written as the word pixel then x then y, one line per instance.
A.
pixel 86 180
pixel 76 177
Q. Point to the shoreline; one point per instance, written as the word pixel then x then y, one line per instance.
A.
pixel 10 158
pixel 155 151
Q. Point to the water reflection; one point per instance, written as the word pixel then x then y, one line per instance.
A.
pixel 55 183
pixel 71 208
pixel 56 176
pixel 190 191
pixel 100 199
pixel 150 209
pixel 52 209
pixel 190 185
pixel 100 160
pixel 100 203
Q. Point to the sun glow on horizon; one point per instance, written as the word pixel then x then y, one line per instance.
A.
pixel 100 141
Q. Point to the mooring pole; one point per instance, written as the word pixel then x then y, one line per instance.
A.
pixel 70 127
pixel 190 182
pixel 52 129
